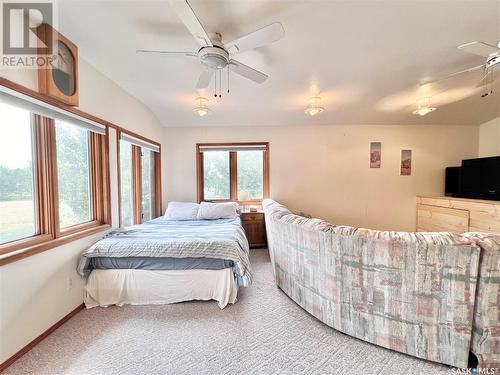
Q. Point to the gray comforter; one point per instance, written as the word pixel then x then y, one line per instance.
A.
pixel 215 239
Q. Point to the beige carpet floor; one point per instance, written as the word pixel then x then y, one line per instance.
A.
pixel 263 333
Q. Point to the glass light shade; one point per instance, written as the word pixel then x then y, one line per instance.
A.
pixel 424 107
pixel 424 111
pixel 313 111
pixel 313 108
pixel 201 109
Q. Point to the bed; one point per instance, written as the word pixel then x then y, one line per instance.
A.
pixel 167 261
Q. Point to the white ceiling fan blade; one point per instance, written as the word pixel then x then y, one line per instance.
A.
pixel 479 48
pixel 188 17
pixel 266 35
pixel 247 72
pixel 205 79
pixel 448 76
pixel 190 54
pixel 488 78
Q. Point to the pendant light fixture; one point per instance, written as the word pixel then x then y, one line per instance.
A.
pixel 201 109
pixel 424 107
pixel 314 108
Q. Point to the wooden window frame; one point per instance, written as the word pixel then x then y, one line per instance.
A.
pixel 48 233
pixel 137 179
pixel 100 208
pixel 233 172
pixel 45 220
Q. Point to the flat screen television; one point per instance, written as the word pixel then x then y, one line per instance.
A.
pixel 480 178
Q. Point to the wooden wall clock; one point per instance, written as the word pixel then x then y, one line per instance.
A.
pixel 60 79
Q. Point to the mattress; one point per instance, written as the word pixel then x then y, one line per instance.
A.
pixel 148 263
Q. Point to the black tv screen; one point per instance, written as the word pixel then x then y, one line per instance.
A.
pixel 480 178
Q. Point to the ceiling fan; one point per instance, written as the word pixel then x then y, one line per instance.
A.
pixel 215 55
pixel 491 67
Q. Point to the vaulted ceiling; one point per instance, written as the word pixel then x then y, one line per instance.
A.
pixel 364 58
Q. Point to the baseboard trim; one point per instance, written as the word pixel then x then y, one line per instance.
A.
pixel 40 338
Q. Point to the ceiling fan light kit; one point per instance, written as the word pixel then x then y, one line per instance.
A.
pixel 314 108
pixel 424 107
pixel 493 61
pixel 215 58
pixel 201 109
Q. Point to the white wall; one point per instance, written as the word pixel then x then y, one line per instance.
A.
pixel 489 138
pixel 33 291
pixel 324 170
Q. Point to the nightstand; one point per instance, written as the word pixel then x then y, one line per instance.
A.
pixel 255 227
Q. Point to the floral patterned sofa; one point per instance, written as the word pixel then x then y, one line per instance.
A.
pixel 431 295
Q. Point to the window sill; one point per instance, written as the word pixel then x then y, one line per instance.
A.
pixel 77 228
pixel 19 254
pixel 241 203
pixel 251 202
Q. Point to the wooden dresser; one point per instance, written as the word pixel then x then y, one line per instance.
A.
pixel 458 215
pixel 255 227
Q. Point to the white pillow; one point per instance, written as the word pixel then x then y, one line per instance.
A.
pixel 212 211
pixel 182 211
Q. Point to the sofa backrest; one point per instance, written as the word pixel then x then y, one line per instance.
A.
pixel 410 292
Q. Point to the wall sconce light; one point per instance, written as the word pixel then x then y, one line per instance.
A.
pixel 424 107
pixel 201 109
pixel 314 108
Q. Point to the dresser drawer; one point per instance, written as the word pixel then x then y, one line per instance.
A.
pixel 253 216
pixel 441 219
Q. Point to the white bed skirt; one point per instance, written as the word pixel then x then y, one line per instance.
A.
pixel 146 287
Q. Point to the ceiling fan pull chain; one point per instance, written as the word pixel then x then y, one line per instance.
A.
pixel 220 83
pixel 228 79
pixel 491 83
pixel 215 82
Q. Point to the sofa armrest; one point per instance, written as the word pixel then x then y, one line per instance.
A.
pixel 486 327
